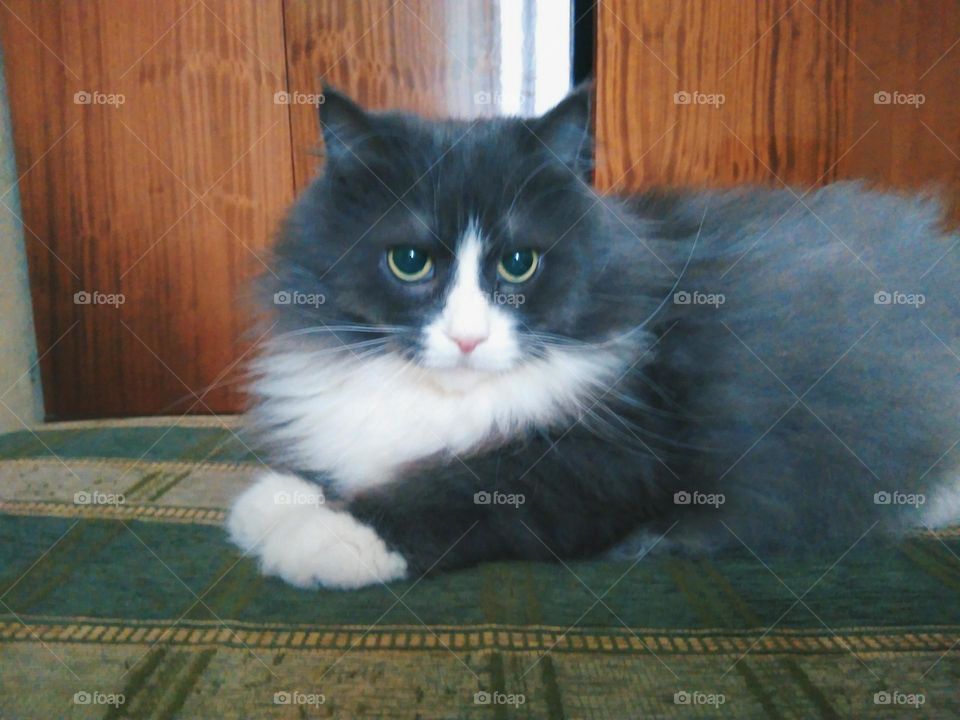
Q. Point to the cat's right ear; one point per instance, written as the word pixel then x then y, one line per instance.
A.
pixel 345 125
pixel 565 130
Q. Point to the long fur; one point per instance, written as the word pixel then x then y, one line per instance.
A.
pixel 722 365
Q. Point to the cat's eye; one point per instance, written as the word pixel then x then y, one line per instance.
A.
pixel 410 264
pixel 517 266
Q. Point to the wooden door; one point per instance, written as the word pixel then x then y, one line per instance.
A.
pixel 161 184
pixel 704 92
pixel 154 165
pixel 464 59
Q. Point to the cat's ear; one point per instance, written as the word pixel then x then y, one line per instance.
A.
pixel 566 131
pixel 345 125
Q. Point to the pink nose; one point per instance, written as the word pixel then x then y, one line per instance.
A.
pixel 468 345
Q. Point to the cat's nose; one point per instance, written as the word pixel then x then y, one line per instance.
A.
pixel 467 344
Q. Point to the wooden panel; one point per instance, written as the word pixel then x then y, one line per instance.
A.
pixel 797 82
pixel 167 198
pixel 462 58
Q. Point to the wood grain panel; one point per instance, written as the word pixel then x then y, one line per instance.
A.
pixel 797 81
pixel 419 55
pixel 167 198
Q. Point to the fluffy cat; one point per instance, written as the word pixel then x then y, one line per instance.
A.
pixel 476 357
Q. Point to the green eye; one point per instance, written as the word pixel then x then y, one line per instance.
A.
pixel 518 266
pixel 410 264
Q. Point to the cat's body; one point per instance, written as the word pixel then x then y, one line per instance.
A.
pixel 717 366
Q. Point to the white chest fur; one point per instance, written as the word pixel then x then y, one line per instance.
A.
pixel 361 420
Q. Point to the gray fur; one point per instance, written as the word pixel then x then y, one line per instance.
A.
pixel 880 384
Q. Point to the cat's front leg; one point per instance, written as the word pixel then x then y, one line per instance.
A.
pixel 284 522
pixel 567 498
pixel 541 500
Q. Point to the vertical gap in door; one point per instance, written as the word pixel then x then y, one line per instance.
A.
pixel 286 84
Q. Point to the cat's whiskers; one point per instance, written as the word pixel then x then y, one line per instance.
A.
pixel 604 429
pixel 371 346
pixel 380 329
pixel 640 405
pixel 602 395
pixel 359 345
pixel 631 431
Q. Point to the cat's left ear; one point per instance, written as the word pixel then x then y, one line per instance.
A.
pixel 346 127
pixel 566 131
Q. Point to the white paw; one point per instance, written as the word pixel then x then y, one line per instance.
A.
pixel 282 521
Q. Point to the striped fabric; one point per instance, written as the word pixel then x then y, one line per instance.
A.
pixel 120 597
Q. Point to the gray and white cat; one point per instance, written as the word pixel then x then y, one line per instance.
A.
pixel 478 357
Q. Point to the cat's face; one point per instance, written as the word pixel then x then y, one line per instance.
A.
pixel 458 245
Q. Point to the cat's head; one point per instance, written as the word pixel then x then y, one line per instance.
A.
pixel 473 245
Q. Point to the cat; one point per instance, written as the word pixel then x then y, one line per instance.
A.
pixel 473 356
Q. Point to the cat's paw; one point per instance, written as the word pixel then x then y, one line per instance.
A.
pixel 282 520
